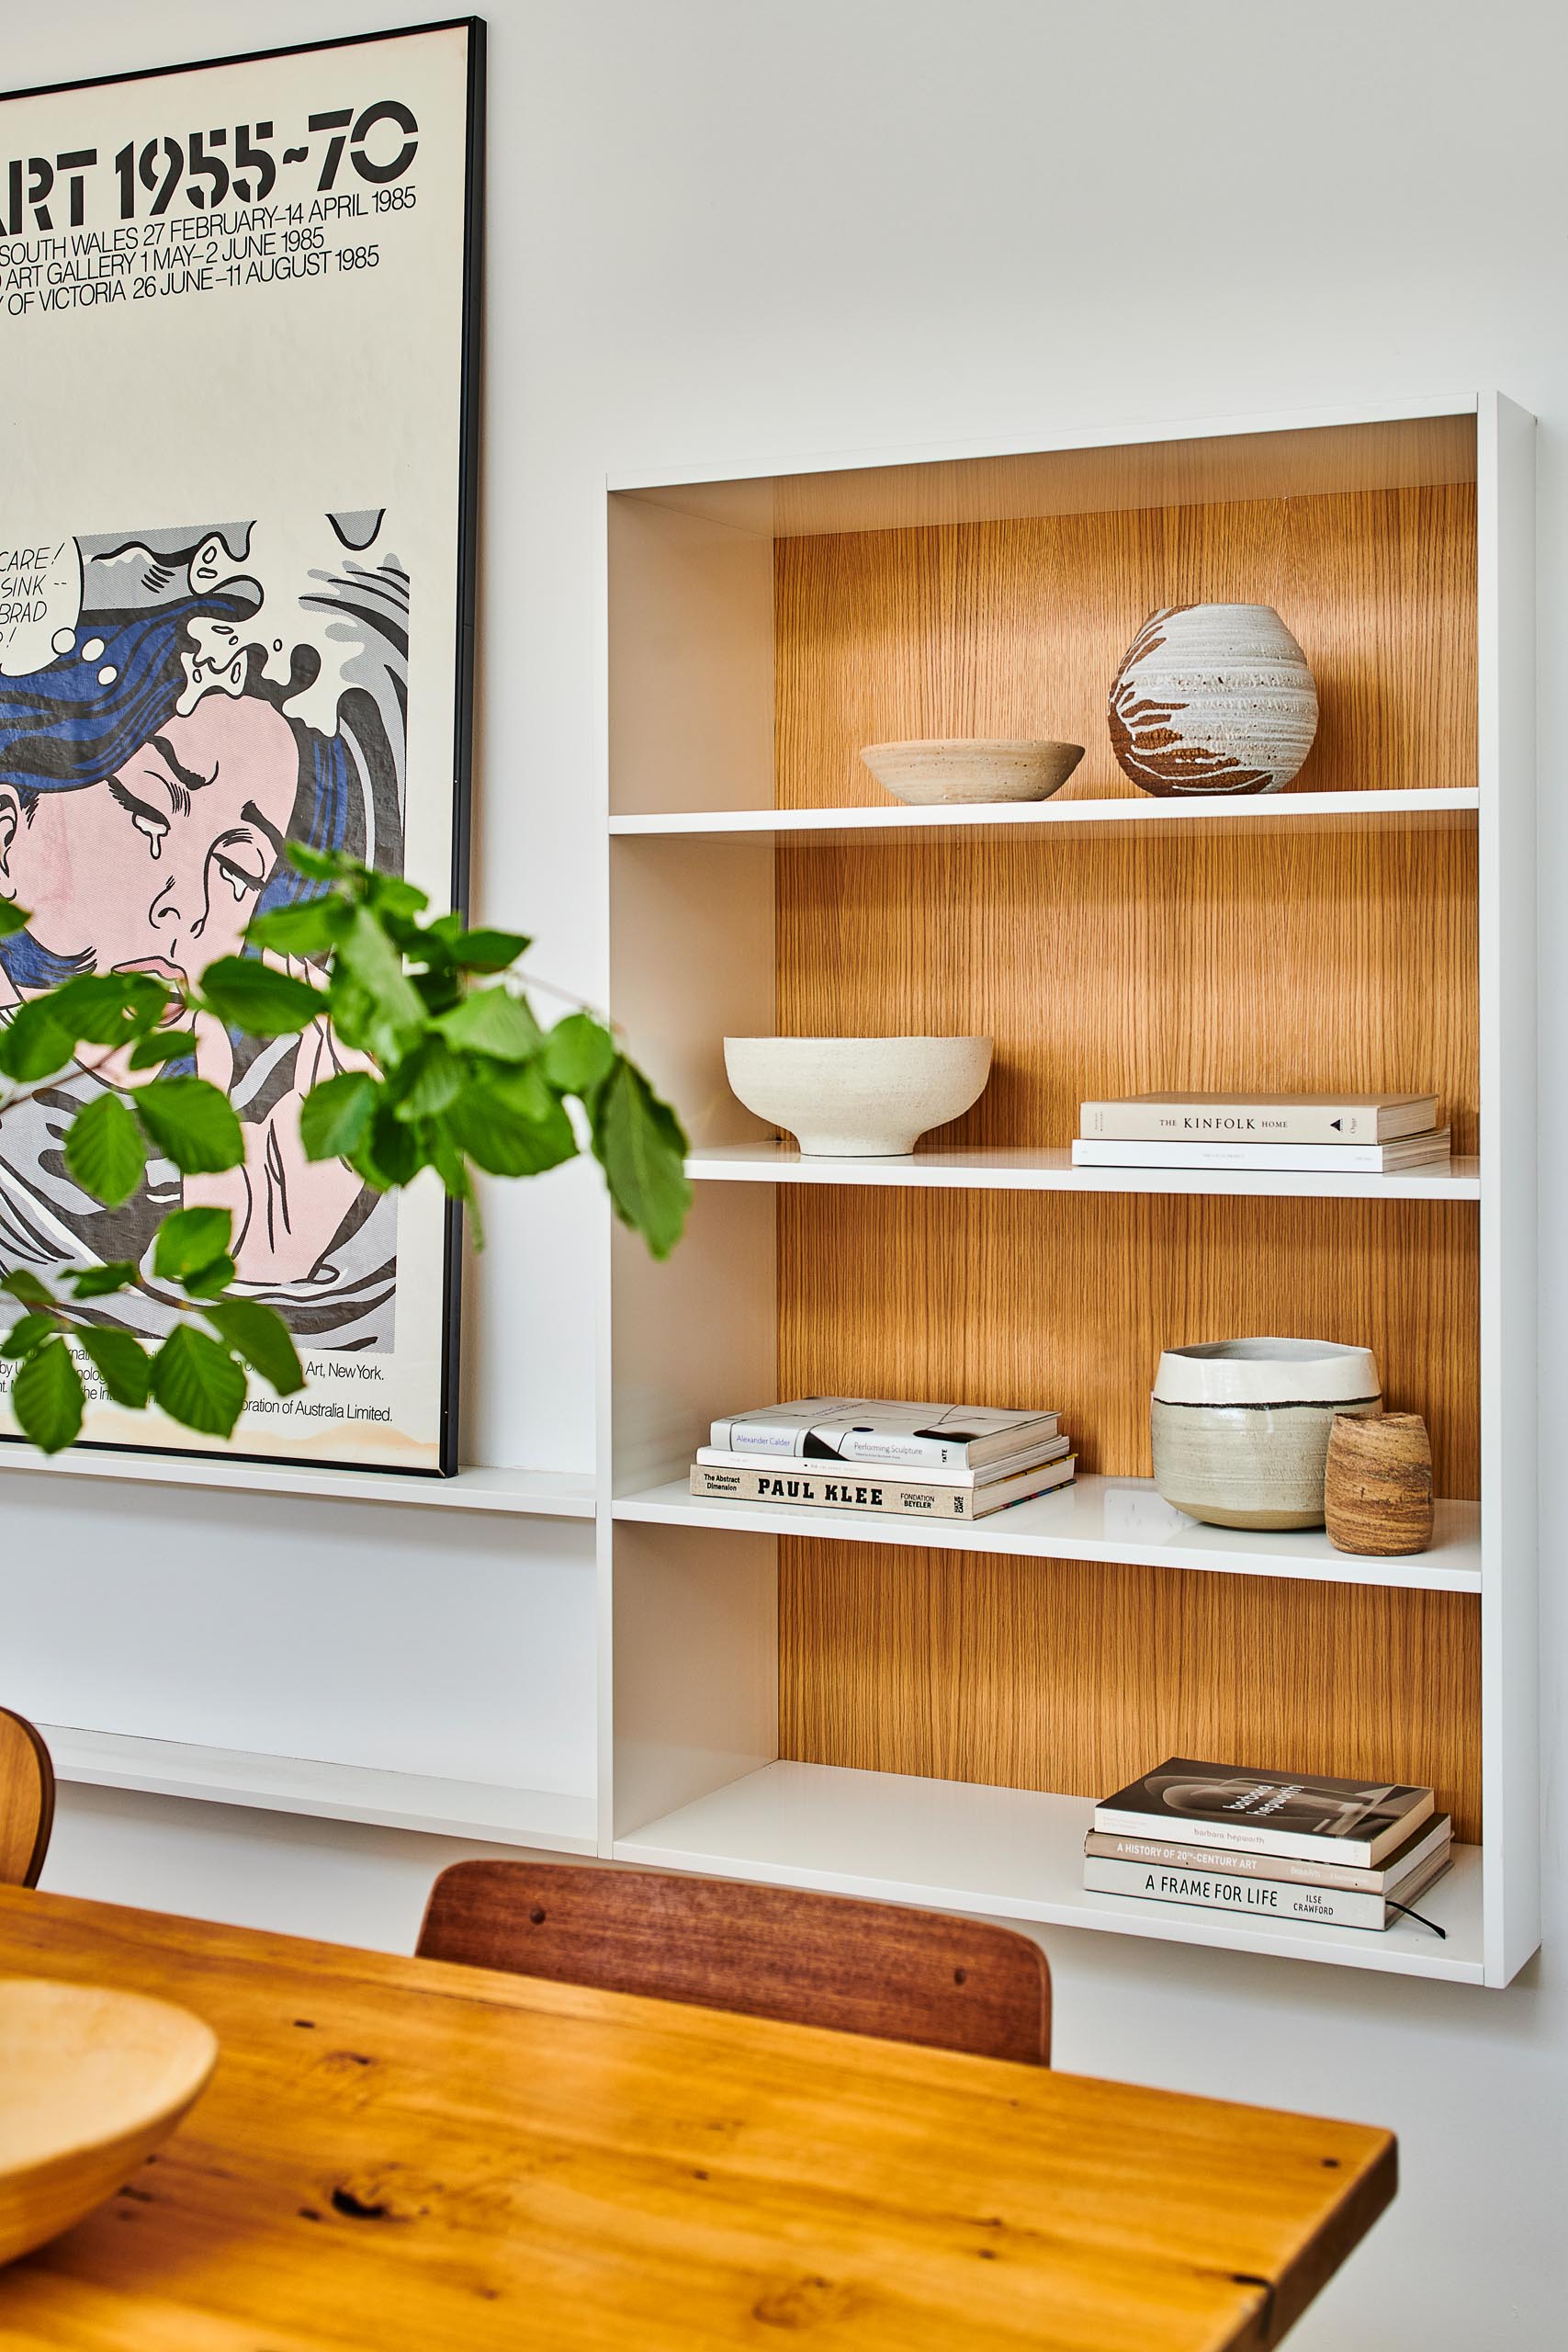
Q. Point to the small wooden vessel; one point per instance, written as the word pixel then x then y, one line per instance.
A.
pixel 91 2080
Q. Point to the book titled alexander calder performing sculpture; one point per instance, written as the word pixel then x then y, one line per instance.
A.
pixel 882 1455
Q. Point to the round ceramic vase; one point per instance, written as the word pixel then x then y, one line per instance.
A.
pixel 1241 1427
pixel 1213 698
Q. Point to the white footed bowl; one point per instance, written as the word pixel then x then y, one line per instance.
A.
pixel 1241 1427
pixel 955 768
pixel 858 1098
pixel 1213 698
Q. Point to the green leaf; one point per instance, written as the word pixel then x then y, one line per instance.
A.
pixel 104 1150
pixel 488 951
pixel 33 1044
pixel 260 1336
pixel 392 896
pixel 122 1364
pixel 580 1054
pixel 26 1287
pixel 392 1154
pixel 189 1241
pixel 324 864
pixel 192 1122
pixel 198 1382
pixel 28 1332
pixel 12 919
pixel 493 1022
pixel 307 928
pixel 640 1143
pixel 47 1398
pixel 213 1280
pixel 383 1005
pixel 97 1281
pixel 487 1122
pixel 161 1046
pixel 429 1078
pixel 109 1008
pixel 334 1117
pixel 250 995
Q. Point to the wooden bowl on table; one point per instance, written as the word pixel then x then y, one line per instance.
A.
pixel 90 2080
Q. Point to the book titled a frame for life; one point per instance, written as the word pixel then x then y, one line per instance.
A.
pixel 241 307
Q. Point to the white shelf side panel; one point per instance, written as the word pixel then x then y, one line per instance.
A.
pixel 1115 1520
pixel 1510 1403
pixel 323 1790
pixel 1011 1854
pixel 1006 1170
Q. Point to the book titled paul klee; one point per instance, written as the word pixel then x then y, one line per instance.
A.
pixel 1302 1815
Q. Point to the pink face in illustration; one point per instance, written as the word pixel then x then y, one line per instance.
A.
pixel 159 868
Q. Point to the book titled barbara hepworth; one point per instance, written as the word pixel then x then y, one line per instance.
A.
pixel 1302 1813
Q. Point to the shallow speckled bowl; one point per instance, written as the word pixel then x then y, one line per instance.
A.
pixel 858 1098
pixel 957 769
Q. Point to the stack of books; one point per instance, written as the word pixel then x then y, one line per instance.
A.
pixel 1269 1844
pixel 1331 1135
pixel 872 1453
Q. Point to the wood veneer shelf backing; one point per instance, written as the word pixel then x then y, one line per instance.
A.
pixel 1070 1676
pixel 1282 961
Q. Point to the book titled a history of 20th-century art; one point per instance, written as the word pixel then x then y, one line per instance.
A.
pixel 864 1490
pixel 1431 1843
pixel 878 1428
pixel 1301 1813
pixel 1259 1118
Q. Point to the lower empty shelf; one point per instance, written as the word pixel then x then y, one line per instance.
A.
pixel 328 1791
pixel 537 1494
pixel 1009 1853
pixel 1097 1518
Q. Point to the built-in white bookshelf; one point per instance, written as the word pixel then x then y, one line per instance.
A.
pixel 716 1750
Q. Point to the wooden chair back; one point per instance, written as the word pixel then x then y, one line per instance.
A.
pixel 27 1800
pixel 769 1951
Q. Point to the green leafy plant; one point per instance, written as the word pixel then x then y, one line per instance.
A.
pixel 449 1068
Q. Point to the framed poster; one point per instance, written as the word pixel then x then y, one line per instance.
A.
pixel 238 339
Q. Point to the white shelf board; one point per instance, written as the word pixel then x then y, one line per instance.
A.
pixel 1006 1170
pixel 1119 1519
pixel 1009 1853
pixel 326 1791
pixel 546 1494
pixel 1234 812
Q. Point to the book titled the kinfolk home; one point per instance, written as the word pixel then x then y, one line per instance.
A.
pixel 1304 1814
pixel 1259 1118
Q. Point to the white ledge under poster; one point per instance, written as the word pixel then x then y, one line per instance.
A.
pixel 238 332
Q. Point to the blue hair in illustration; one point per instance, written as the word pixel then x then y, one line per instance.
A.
pixel 80 720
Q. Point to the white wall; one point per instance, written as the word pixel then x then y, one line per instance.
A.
pixel 720 226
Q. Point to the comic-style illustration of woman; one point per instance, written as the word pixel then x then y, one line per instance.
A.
pixel 150 775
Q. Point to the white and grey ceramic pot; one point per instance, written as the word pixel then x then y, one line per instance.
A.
pixel 1213 698
pixel 1241 1427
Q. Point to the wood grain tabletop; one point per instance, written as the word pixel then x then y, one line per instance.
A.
pixel 401 2155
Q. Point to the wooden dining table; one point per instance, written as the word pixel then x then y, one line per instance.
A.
pixel 400 2155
